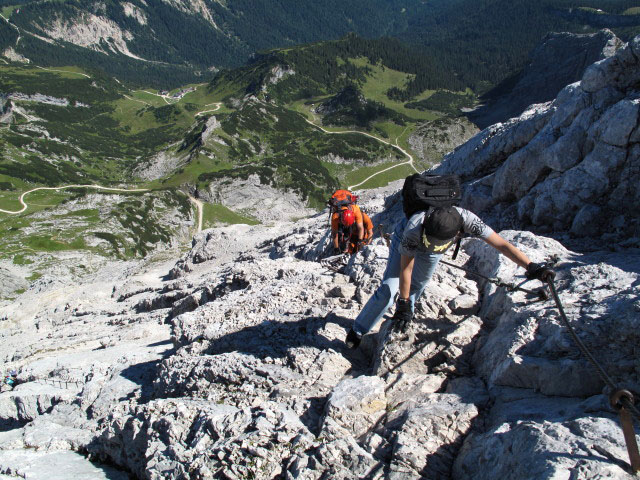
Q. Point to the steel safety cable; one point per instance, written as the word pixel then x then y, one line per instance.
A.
pixel 583 348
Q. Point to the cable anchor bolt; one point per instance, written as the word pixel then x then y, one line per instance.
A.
pixel 619 399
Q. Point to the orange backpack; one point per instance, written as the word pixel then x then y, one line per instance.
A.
pixel 340 199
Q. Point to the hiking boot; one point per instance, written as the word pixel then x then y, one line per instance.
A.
pixel 353 339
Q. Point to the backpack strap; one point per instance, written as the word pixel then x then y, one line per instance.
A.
pixel 457 249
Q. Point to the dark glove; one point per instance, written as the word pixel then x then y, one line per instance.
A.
pixel 336 251
pixel 540 271
pixel 403 315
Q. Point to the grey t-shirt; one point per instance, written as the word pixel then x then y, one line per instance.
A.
pixel 411 239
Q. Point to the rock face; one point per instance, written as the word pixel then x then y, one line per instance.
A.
pixel 433 140
pixel 230 363
pixel 568 165
pixel 6 110
pixel 264 202
pixel 93 31
pixel 159 165
pixel 559 60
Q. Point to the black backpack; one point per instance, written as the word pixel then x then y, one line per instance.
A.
pixel 421 191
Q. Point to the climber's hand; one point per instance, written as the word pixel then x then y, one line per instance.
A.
pixel 540 271
pixel 403 315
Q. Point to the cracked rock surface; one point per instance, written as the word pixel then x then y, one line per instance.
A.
pixel 230 362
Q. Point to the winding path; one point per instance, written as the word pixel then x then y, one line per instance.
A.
pixel 136 100
pixel 217 104
pixel 24 205
pixel 199 207
pixel 395 145
pixel 62 71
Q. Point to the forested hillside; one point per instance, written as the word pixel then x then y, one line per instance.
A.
pixel 469 43
pixel 85 99
pixel 482 41
pixel 328 67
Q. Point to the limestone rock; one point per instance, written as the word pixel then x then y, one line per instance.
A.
pixel 536 432
pixel 555 158
pixel 356 404
pixel 427 436
pixel 231 361
pixel 264 202
pixel 28 400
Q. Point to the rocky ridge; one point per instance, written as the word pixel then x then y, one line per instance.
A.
pixel 230 363
pixel 93 31
pixel 432 140
pixel 570 165
pixel 570 54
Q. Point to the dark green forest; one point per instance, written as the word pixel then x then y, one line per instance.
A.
pixel 457 43
pixel 324 68
pixel 482 42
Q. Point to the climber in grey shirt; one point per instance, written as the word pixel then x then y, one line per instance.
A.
pixel 416 247
pixel 411 242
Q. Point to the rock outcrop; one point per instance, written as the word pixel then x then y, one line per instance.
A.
pixel 234 364
pixel 433 140
pixel 6 110
pixel 262 201
pixel 559 60
pixel 570 165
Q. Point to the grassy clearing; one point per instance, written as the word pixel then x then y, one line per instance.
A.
pixel 9 201
pixel 632 11
pixel 216 214
pixel 133 114
pixel 353 177
pixel 36 201
pixel 65 71
pixel 7 11
pixel 190 172
pixel 32 72
pixel 387 177
pixel 136 117
pixel 21 259
pixel 45 243
pixel 382 79
pixel 149 98
pixel 394 133
pixel 200 96
pixel 34 276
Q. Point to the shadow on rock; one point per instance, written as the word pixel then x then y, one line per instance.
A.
pixel 144 375
pixel 277 338
pixel 312 417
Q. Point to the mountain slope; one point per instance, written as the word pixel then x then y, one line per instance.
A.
pixel 231 360
pixel 66 126
pixel 164 44
pixel 570 165
pixel 256 140
pixel 569 54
